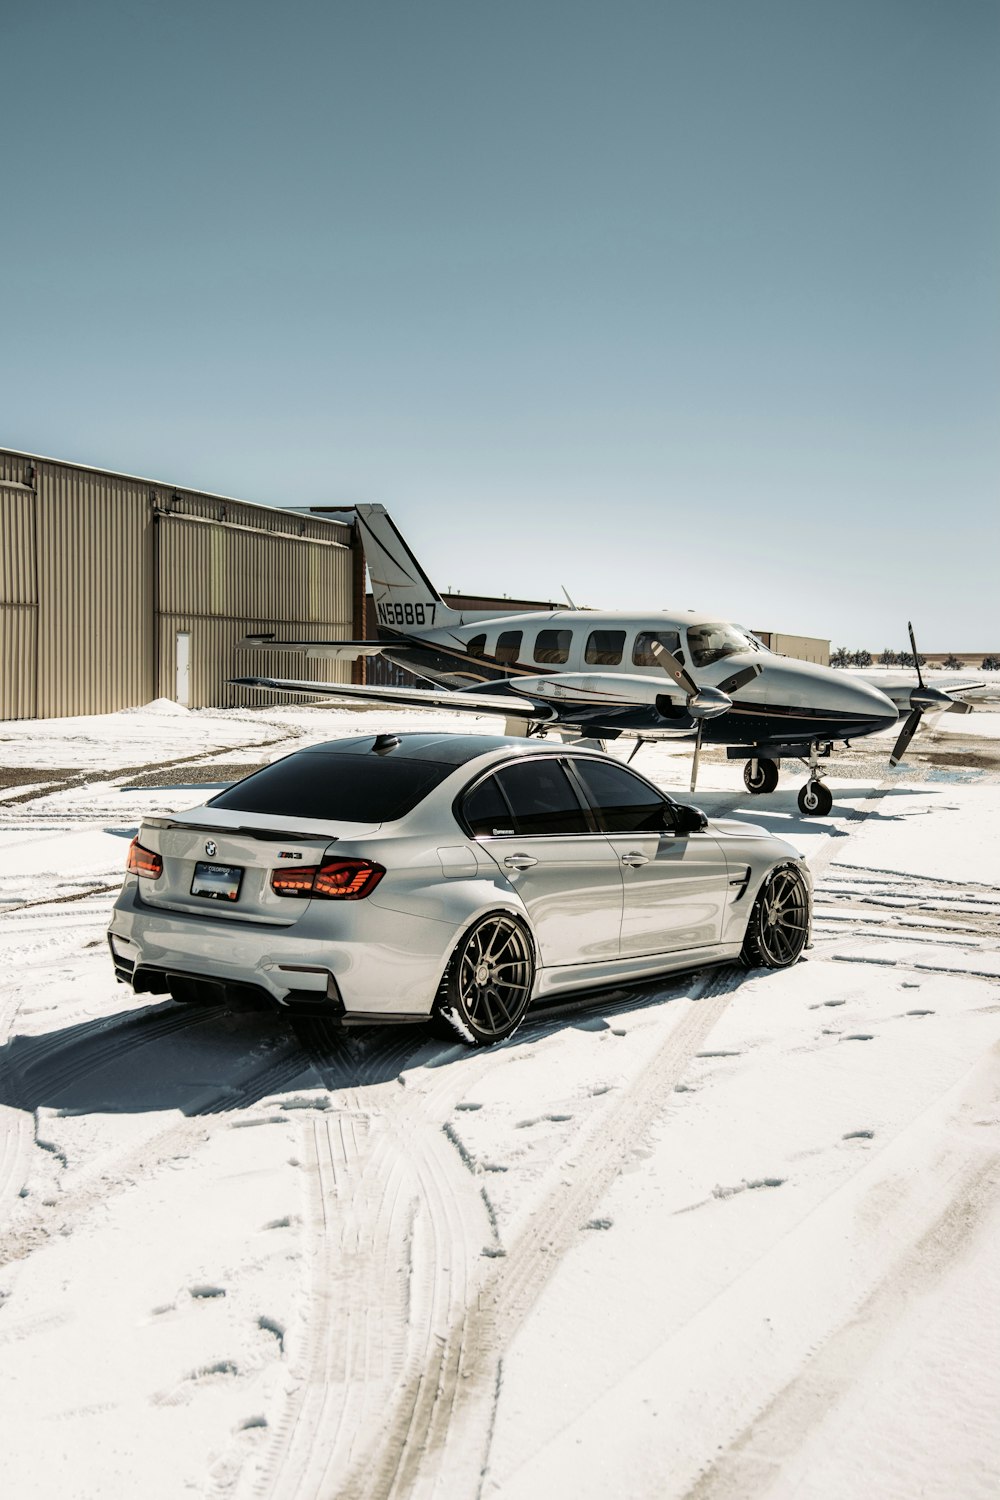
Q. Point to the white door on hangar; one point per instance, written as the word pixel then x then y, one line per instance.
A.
pixel 182 690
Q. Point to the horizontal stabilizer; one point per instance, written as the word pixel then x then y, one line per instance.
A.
pixel 313 650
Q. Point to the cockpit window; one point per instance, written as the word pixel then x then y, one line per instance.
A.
pixel 709 643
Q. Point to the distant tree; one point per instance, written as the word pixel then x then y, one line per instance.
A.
pixel 888 658
pixel 840 657
pixel 952 663
pixel 862 658
pixel 990 664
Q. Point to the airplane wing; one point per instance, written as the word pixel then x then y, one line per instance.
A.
pixel 506 705
pixel 899 685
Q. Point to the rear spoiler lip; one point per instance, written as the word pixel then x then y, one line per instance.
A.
pixel 268 835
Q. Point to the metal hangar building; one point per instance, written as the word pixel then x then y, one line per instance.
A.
pixel 116 590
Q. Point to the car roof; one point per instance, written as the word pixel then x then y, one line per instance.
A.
pixel 443 749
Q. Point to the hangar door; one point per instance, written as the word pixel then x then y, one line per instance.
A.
pixel 219 580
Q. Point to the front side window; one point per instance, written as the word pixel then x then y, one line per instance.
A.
pixel 711 643
pixel 605 647
pixel 542 799
pixel 477 646
pixel 508 646
pixel 552 646
pixel 642 654
pixel 485 811
pixel 622 803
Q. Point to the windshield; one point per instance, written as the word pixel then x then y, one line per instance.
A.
pixel 336 788
pixel 709 643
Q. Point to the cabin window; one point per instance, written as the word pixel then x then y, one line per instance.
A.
pixel 642 654
pixel 509 646
pixel 552 646
pixel 477 646
pixel 605 647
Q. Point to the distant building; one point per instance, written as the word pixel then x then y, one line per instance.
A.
pixel 116 590
pixel 802 647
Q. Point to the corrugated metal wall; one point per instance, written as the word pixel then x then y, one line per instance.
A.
pixel 220 582
pixel 18 595
pixel 94 541
pixel 99 571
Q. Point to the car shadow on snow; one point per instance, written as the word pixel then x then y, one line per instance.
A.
pixel 213 1060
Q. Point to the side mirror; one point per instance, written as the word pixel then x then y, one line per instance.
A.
pixel 689 819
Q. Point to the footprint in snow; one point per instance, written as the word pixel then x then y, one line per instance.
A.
pixel 467 1104
pixel 859 1135
pixel 919 1012
pixel 747 1185
pixel 859 1036
pixel 207 1291
pixel 598 1224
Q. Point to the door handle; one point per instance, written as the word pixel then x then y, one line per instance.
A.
pixel 519 861
pixel 634 859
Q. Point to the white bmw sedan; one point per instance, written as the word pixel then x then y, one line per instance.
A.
pixel 410 877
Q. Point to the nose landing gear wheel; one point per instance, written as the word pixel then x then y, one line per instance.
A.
pixel 760 776
pixel 485 991
pixel 815 799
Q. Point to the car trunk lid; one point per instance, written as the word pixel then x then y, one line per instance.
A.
pixel 218 863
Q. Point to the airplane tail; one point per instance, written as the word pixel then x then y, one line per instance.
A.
pixel 404 595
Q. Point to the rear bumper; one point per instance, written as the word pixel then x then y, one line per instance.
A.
pixel 377 965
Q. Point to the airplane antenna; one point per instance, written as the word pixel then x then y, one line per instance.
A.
pixel 568 599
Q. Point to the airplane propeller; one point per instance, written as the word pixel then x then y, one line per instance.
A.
pixel 702 702
pixel 922 700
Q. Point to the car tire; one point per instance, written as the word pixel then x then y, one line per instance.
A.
pixel 778 928
pixel 486 988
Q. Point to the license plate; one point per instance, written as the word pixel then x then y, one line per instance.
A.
pixel 218 882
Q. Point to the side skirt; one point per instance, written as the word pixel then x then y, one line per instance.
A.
pixel 617 971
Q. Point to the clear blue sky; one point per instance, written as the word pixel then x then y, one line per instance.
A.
pixel 688 303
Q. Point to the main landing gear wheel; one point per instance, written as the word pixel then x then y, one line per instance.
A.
pixel 779 923
pixel 486 988
pixel 815 799
pixel 760 776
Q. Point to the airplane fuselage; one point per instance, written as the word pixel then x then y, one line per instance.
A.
pixel 600 664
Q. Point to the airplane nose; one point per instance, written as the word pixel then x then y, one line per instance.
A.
pixel 872 703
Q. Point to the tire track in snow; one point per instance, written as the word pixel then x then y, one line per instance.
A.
pixel 397 1224
pixel 423 1427
pixel 754 1461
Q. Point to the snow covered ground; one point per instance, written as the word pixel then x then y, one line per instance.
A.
pixel 728 1236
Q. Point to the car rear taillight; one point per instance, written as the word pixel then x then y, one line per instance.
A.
pixel 335 880
pixel 143 861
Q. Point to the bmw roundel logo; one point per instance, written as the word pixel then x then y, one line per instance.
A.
pixel 210 848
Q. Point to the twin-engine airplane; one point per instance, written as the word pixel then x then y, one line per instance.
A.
pixel 598 676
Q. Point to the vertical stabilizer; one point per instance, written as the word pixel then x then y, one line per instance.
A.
pixel 404 595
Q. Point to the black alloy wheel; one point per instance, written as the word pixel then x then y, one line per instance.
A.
pixel 764 779
pixel 778 929
pixel 487 985
pixel 815 799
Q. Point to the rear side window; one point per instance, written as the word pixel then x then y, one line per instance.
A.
pixel 552 646
pixel 542 799
pixel 508 646
pixel 621 802
pixel 486 812
pixel 341 788
pixel 605 647
pixel 642 654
